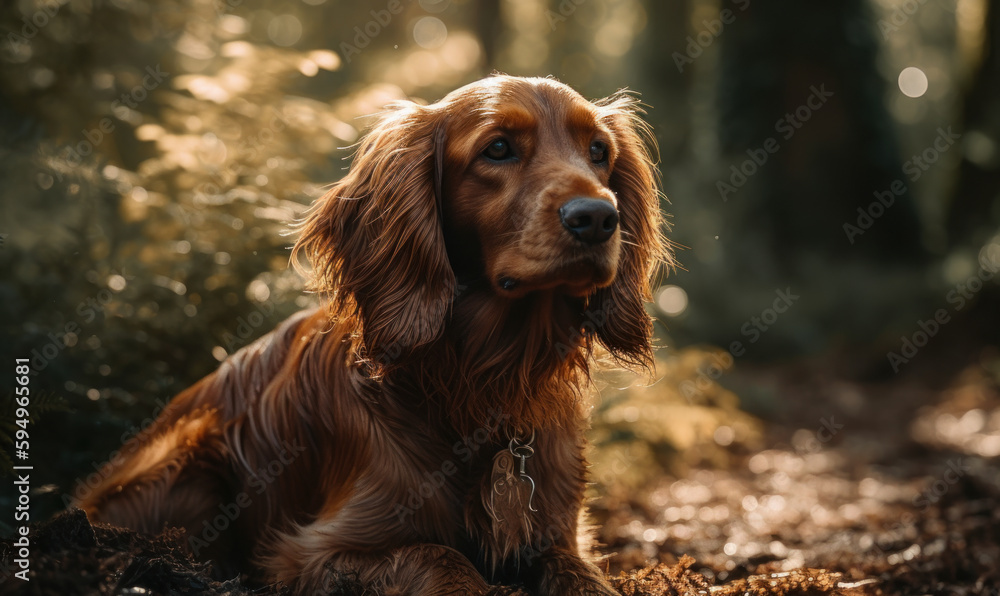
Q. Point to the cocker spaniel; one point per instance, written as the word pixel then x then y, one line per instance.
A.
pixel 424 429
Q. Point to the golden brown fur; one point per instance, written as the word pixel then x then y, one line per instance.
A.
pixel 460 313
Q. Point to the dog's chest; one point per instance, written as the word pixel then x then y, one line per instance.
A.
pixel 444 486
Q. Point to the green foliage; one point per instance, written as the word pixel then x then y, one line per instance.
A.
pixel 682 420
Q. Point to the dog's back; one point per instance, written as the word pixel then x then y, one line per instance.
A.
pixel 191 469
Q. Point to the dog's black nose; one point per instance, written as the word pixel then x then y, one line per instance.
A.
pixel 590 220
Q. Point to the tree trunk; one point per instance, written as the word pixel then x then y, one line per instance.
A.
pixel 974 212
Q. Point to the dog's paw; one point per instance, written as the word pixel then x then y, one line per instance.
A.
pixel 505 591
pixel 566 574
pixel 569 585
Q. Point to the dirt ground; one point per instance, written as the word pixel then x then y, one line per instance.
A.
pixel 888 486
pixel 899 498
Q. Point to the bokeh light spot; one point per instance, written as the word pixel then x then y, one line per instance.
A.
pixel 724 435
pixel 672 300
pixel 116 283
pixel 258 290
pixel 430 32
pixel 284 30
pixel 42 77
pixel 308 68
pixel 219 353
pixel 613 39
pixel 912 82
pixel 325 59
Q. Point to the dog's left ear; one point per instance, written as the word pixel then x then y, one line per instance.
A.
pixel 622 324
pixel 376 243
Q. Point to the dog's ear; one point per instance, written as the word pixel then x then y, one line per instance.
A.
pixel 375 241
pixel 622 324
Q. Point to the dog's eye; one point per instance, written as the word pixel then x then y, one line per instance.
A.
pixel 598 152
pixel 498 150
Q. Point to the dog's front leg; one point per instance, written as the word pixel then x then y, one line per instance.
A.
pixel 414 570
pixel 552 561
pixel 562 572
pixel 553 565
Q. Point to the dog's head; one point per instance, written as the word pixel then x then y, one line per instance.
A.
pixel 518 182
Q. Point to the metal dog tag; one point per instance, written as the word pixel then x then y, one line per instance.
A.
pixel 513 489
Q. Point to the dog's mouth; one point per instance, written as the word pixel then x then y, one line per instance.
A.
pixel 578 277
pixel 514 288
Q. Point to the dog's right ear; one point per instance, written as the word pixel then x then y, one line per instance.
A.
pixel 375 241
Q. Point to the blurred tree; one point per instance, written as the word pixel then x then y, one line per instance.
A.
pixel 812 187
pixel 487 29
pixel 665 88
pixel 806 76
pixel 974 211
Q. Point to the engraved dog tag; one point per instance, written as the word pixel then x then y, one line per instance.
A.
pixel 513 489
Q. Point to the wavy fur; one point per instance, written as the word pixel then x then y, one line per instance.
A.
pixel 459 314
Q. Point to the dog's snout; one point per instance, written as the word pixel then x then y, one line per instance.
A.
pixel 589 220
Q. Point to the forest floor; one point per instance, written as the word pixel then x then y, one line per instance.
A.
pixel 898 495
pixel 904 497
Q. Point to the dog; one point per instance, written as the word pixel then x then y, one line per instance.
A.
pixel 423 430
